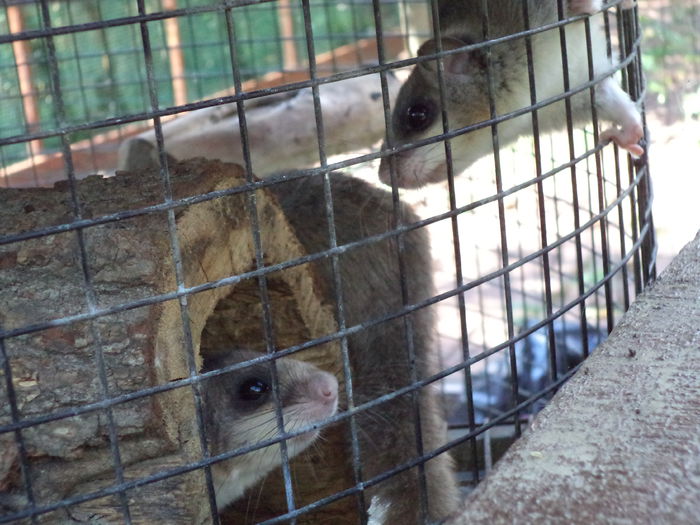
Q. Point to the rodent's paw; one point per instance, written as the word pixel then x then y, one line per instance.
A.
pixel 626 137
pixel 627 4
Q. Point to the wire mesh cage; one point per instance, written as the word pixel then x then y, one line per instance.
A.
pixel 204 321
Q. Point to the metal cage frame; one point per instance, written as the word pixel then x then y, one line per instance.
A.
pixel 639 255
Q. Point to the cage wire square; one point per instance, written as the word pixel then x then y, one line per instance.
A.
pixel 486 293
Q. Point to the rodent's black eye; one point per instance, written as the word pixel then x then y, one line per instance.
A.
pixel 420 115
pixel 253 389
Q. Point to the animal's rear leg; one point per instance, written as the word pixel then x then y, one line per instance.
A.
pixel 616 106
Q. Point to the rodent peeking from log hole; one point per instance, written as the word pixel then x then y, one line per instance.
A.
pixel 240 411
pixel 396 431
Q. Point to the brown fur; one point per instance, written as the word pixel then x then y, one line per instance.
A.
pixel 371 289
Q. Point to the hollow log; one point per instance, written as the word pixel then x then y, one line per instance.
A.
pixel 100 348
pixel 62 319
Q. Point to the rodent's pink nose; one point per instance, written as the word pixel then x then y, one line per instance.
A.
pixel 325 386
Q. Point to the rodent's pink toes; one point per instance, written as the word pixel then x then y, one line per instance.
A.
pixel 626 138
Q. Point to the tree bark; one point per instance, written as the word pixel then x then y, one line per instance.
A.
pixel 55 370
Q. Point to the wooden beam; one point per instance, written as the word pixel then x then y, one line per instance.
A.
pixel 620 442
pixel 175 55
pixel 22 54
pixel 286 25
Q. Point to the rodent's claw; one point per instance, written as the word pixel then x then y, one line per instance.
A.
pixel 626 138
pixel 635 150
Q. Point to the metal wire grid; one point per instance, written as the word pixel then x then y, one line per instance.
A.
pixel 100 47
pixel 634 195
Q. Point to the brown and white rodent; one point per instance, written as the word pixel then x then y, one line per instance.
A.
pixel 380 363
pixel 417 111
pixel 239 410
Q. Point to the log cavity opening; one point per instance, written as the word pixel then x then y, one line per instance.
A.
pixel 237 321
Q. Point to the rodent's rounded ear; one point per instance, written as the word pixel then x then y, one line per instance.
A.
pixel 458 63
